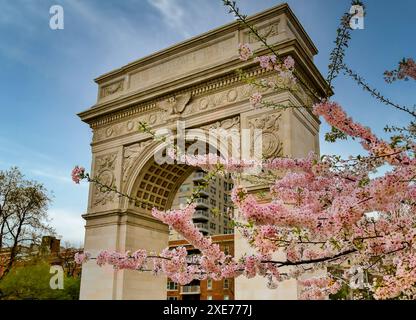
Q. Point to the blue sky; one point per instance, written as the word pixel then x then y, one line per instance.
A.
pixel 46 76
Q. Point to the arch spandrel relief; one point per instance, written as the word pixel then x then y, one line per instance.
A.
pixel 105 166
pixel 270 137
pixel 130 154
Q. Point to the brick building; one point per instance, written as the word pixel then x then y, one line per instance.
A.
pixel 204 289
pixel 49 249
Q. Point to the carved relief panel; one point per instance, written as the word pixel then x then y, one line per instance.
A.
pixel 111 89
pixel 228 133
pixel 265 129
pixel 105 173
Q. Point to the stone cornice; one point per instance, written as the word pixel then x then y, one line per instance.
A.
pixel 204 88
pixel 120 217
pixel 116 110
pixel 212 34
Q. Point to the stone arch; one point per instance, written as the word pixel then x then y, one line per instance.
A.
pixel 193 81
pixel 158 184
pixel 151 182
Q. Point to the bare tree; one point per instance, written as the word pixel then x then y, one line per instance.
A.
pixel 8 183
pixel 23 213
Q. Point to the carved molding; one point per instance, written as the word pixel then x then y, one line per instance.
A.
pixel 114 130
pixel 219 99
pixel 186 104
pixel 104 172
pixel 203 89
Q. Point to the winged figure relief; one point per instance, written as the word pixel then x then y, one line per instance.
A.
pixel 176 104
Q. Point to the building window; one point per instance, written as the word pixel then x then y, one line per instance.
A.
pixel 184 188
pixel 174 298
pixel 172 286
pixel 226 297
pixel 226 283
pixel 183 200
pixel 226 250
pixel 212 226
pixel 213 202
pixel 209 297
pixel 209 284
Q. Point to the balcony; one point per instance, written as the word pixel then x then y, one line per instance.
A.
pixel 203 227
pixel 201 214
pixel 198 176
pixel 202 192
pixel 190 290
pixel 201 202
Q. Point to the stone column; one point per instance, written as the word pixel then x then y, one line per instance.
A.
pixel 111 224
pixel 289 133
pixel 122 231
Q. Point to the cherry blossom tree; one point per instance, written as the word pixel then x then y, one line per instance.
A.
pixel 327 213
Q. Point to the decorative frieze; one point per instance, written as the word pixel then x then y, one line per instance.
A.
pixel 175 105
pixel 121 128
pixel 196 100
pixel 218 99
pixel 199 90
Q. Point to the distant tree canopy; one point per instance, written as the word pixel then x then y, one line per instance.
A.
pixel 31 282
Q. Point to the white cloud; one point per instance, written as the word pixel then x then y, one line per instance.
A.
pixel 69 225
pixel 172 13
pixel 45 174
pixel 54 175
pixel 18 150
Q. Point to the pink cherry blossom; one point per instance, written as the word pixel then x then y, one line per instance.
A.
pixel 255 99
pixel 318 212
pixel 266 62
pixel 81 258
pixel 406 70
pixel 245 51
pixel 289 62
pixel 77 174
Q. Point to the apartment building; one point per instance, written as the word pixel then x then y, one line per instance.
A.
pixel 204 289
pixel 212 206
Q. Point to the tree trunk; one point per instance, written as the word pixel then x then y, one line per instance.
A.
pixel 13 251
pixel 2 233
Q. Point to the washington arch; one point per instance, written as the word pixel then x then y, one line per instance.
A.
pixel 197 78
